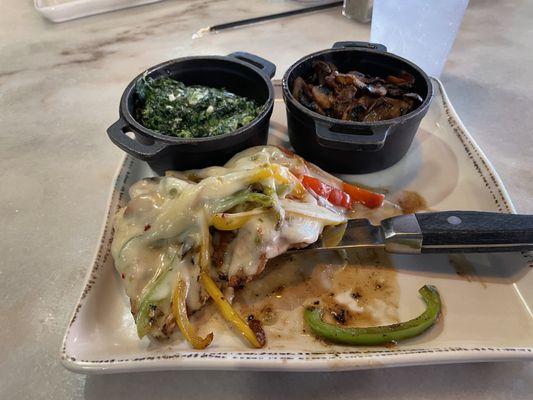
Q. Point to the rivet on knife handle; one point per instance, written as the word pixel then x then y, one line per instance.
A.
pixel 402 234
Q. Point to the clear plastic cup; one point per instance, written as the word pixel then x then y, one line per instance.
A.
pixel 422 31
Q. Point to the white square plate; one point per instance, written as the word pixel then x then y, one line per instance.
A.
pixel 487 298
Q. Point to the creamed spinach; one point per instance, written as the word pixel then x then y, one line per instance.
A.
pixel 174 109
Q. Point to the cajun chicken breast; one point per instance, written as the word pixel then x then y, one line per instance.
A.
pixel 185 237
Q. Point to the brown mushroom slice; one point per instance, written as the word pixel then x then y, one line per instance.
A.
pixel 402 79
pixel 332 66
pixel 340 109
pixel 414 96
pixel 323 69
pixel 297 87
pixel 366 101
pixel 387 108
pixel 345 79
pixel 332 83
pixel 308 102
pixel 348 79
pixel 394 90
pixel 307 90
pixel 358 108
pixel 346 94
pixel 344 99
pixel 377 89
pixel 353 112
pixel 322 96
pixel 359 75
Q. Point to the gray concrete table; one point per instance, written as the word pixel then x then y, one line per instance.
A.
pixel 59 90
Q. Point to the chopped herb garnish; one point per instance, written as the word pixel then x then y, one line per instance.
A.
pixel 171 108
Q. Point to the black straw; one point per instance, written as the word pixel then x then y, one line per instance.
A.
pixel 234 24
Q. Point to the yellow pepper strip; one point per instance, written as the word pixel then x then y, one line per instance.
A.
pixel 273 170
pixel 277 173
pixel 230 222
pixel 205 244
pixel 179 310
pixel 298 191
pixel 227 311
pixel 284 176
pixel 260 173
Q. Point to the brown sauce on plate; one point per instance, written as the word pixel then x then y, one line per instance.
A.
pixel 359 290
pixel 410 202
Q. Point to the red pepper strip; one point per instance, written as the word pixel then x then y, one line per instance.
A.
pixel 347 197
pixel 335 196
pixel 363 196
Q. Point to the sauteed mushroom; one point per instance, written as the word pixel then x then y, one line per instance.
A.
pixel 354 96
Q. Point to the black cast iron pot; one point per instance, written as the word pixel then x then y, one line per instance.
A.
pixel 241 73
pixel 346 146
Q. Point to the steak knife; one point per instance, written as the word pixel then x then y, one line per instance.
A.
pixel 439 232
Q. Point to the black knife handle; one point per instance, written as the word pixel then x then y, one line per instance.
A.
pixel 475 231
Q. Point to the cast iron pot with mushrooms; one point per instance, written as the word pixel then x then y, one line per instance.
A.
pixel 354 108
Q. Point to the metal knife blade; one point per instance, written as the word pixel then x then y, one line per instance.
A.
pixel 359 233
pixel 399 234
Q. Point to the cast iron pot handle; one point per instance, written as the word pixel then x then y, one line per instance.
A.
pixel 268 68
pixel 117 134
pixel 351 141
pixel 363 45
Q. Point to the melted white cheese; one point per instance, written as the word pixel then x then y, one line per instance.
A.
pixel 174 212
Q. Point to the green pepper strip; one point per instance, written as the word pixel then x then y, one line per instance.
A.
pixel 142 319
pixel 379 334
pixel 244 196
